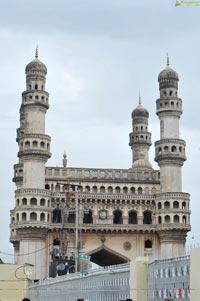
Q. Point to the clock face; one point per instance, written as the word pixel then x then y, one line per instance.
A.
pixel 103 214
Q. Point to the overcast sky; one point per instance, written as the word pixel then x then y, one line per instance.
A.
pixel 99 55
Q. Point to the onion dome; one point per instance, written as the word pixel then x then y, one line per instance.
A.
pixel 36 66
pixel 168 73
pixel 140 111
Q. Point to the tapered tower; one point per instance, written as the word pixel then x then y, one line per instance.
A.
pixel 31 213
pixel 172 204
pixel 140 138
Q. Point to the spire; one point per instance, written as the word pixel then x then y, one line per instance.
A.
pixel 168 64
pixel 139 100
pixel 64 160
pixel 36 52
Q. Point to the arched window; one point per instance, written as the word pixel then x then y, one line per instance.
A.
pixel 17 202
pixel 173 149
pixel 24 216
pixel 184 219
pixel 42 144
pixel 87 219
pixel 117 189
pixel 33 216
pixel 57 188
pixel 147 217
pixel 148 244
pixel 94 189
pixel 167 219
pixel 42 202
pixel 132 217
pixel 166 149
pixel 159 205
pixel 153 190
pixel 47 186
pixel 125 190
pixel 110 189
pixel 27 144
pixel 17 217
pixel 57 217
pixel 36 87
pixel 35 143
pixel 176 219
pixel 24 201
pixel 132 190
pixel 184 205
pixel 102 189
pixel 175 204
pixel 33 201
pixel 87 188
pixel 167 205
pixel 42 217
pixel 139 190
pixel 117 217
pixel 160 219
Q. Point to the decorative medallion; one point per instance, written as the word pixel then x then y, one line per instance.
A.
pixel 127 246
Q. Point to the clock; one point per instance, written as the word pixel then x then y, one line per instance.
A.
pixel 103 214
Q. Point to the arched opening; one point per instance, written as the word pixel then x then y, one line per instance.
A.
pixel 176 219
pixel 117 189
pixel 183 205
pixel 27 144
pixel 94 189
pixel 87 219
pixel 17 217
pixel 102 189
pixel 132 217
pixel 173 149
pixel 139 190
pixel 33 201
pixel 159 205
pixel 17 202
pixel 167 205
pixel 110 189
pixel 147 217
pixel 175 205
pixel 42 202
pixel 184 219
pixel 148 244
pixel 117 217
pixel 42 217
pixel 132 190
pixel 167 219
pixel 35 143
pixel 160 220
pixel 47 186
pixel 36 87
pixel 87 188
pixel 153 190
pixel 24 201
pixel 105 257
pixel 24 216
pixel 166 149
pixel 42 144
pixel 57 188
pixel 33 216
pixel 125 190
pixel 57 217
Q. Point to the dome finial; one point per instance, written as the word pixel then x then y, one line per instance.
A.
pixel 139 100
pixel 36 52
pixel 168 64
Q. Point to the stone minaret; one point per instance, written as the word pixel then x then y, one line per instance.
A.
pixel 140 138
pixel 30 217
pixel 172 205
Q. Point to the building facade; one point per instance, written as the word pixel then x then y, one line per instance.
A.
pixel 112 215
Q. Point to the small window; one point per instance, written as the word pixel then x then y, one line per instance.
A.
pixel 148 244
